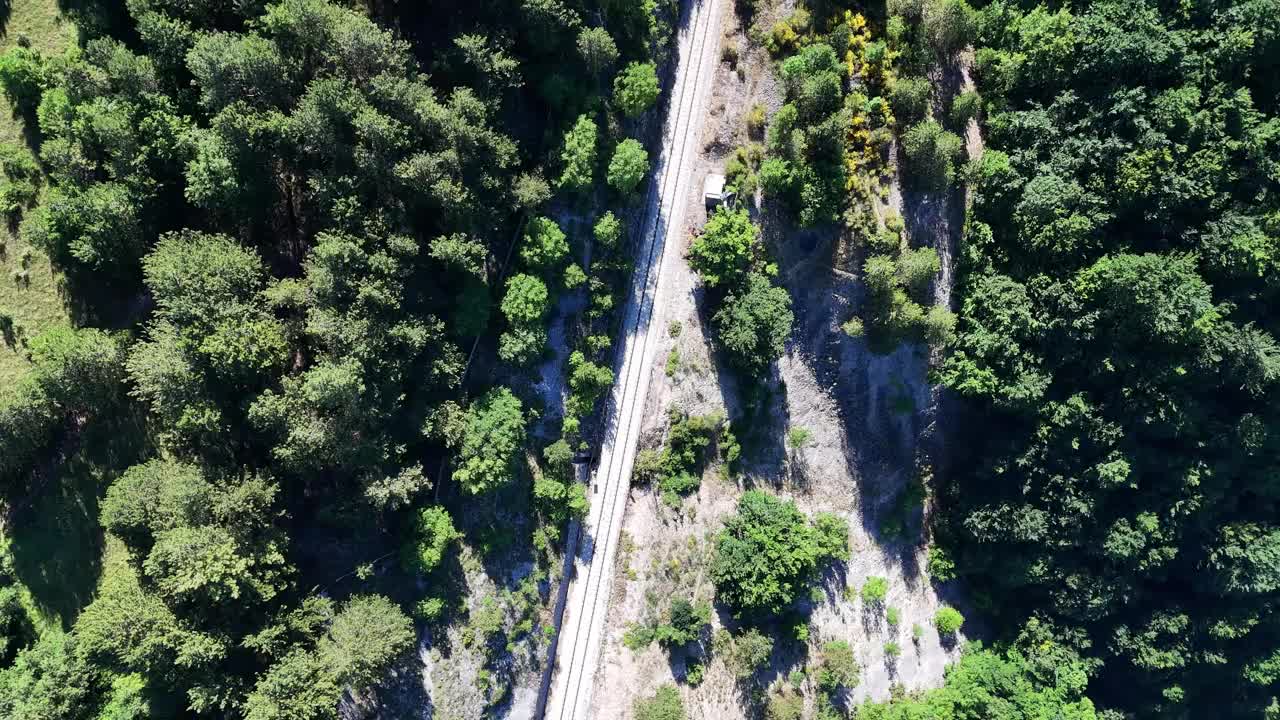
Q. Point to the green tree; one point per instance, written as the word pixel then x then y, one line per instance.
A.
pixel 545 247
pixel 764 556
pixel 635 89
pixel 495 432
pixel 579 156
pixel 597 49
pixel 909 98
pixel 628 167
pixel 298 687
pixel 608 232
pixel 931 154
pixel 366 637
pixel 430 537
pixel 724 250
pixel 754 322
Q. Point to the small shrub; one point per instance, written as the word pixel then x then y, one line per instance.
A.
pixel 786 705
pixel 694 673
pixel 729 52
pixel 638 637
pixel 948 621
pixel 875 590
pixel 799 437
pixel 893 615
pixel 674 329
pixel 755 121
pixel 917 632
pixel 941 567
pixel 664 705
pixel 673 362
pixel 892 649
pixel 853 327
pixel 839 669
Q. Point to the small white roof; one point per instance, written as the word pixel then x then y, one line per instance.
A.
pixel 713 185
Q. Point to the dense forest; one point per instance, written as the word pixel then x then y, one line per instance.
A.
pixel 298 241
pixel 1116 352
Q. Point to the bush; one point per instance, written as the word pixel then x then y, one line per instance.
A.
pixel 892 649
pixel 875 590
pixel 931 155
pixel 664 705
pixel 746 653
pixel 24 75
pixel 909 99
pixel 684 623
pixel 917 268
pixel 948 621
pixel 941 567
pixel 893 616
pixel 839 669
pixel 636 88
pixel 965 107
pixel 755 121
pixel 786 705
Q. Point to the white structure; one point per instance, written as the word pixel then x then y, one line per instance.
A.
pixel 713 192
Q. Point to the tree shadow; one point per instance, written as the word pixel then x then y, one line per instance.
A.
pixel 55 539
pixel 754 403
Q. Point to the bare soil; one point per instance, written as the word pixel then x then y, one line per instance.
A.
pixel 870 418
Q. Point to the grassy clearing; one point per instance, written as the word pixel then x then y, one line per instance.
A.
pixel 37 305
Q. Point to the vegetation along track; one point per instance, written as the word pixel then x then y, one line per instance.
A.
pixel 578 649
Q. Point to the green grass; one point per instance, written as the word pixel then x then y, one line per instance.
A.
pixel 39 305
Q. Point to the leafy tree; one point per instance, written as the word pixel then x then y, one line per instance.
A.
pixel 298 686
pixel 764 556
pixel 545 246
pixel 724 250
pixel 635 89
pixel 597 49
pixel 754 323
pixel 948 620
pixel 432 533
pixel 524 305
pixel 947 24
pixel 931 154
pixel 51 679
pixel 579 156
pixel 608 232
pixel 495 431
pixel 839 669
pixel 909 98
pixel 366 636
pixel 628 167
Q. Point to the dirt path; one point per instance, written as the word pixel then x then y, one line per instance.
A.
pixel 583 625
